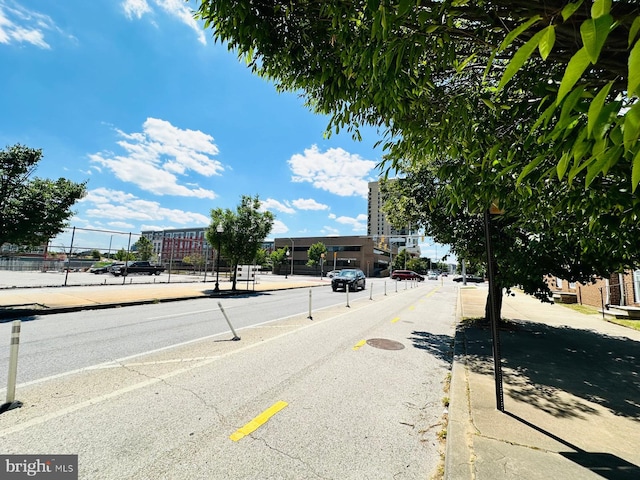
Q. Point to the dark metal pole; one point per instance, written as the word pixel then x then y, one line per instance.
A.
pixel 493 314
pixel 73 234
pixel 217 288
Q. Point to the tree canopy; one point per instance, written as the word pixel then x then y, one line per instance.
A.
pixel 419 69
pixel 243 231
pixel 143 248
pixel 32 210
pixel 530 104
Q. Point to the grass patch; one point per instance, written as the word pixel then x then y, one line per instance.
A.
pixel 634 324
pixel 586 309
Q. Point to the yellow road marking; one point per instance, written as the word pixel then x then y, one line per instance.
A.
pixel 359 344
pixel 432 292
pixel 258 421
pixel 412 307
pixel 397 319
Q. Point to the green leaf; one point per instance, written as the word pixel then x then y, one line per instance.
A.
pixel 602 160
pixel 518 59
pixel 569 103
pixel 563 164
pixel 575 68
pixel 631 126
pixel 570 9
pixel 465 62
pixel 634 71
pixel 547 41
pixel 513 34
pixel 600 8
pixel 596 107
pixel 488 103
pixel 635 171
pixel 594 32
pixel 633 31
pixel 529 168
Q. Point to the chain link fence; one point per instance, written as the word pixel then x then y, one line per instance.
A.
pixel 186 256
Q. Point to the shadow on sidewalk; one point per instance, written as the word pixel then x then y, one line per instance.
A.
pixel 440 346
pixel 606 465
pixel 539 361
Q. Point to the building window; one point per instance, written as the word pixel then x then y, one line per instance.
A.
pixel 636 285
pixel 558 282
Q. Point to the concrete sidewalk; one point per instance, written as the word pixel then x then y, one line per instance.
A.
pixel 571 395
pixel 18 302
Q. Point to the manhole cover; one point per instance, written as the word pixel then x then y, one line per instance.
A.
pixel 385 344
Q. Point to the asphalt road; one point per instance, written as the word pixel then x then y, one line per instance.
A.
pixel 55 344
pixel 353 393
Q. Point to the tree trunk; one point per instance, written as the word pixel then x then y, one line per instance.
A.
pixel 487 307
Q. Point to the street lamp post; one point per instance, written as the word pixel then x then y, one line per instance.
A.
pixel 286 272
pixel 292 250
pixel 219 230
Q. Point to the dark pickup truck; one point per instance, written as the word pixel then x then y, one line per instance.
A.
pixel 138 267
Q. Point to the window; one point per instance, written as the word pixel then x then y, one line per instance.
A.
pixel 636 285
pixel 558 282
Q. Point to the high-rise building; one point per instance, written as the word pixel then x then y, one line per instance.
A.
pixel 378 227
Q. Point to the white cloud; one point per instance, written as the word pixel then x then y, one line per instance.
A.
pixel 175 8
pixel 357 224
pixel 271 204
pixel 121 206
pixel 156 157
pixel 135 8
pixel 330 231
pixel 279 228
pixel 309 204
pixel 336 171
pixel 20 25
pixel 121 225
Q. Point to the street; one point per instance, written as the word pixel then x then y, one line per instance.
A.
pixel 161 391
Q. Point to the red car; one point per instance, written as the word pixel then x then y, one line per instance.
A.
pixel 406 275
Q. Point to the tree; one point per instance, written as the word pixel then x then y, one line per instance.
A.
pixel 95 254
pixel 32 210
pixel 262 257
pixel 124 256
pixel 316 254
pixel 279 258
pixel 396 63
pixel 243 231
pixel 401 259
pixel 532 238
pixel 195 259
pixel 449 84
pixel 418 265
pixel 143 248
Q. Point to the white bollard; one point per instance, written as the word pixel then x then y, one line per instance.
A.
pixel 235 336
pixel 310 317
pixel 346 289
pixel 371 292
pixel 13 368
pixel 385 288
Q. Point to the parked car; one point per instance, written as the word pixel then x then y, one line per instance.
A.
pixel 406 275
pixel 470 279
pixel 333 273
pixel 351 278
pixel 100 267
pixel 432 276
pixel 140 267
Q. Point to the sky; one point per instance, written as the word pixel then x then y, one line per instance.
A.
pixel 135 98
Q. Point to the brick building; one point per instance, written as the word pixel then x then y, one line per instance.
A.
pixel 619 289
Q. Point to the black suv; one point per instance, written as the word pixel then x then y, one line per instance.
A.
pixel 351 278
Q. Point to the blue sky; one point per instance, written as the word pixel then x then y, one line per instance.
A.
pixel 134 97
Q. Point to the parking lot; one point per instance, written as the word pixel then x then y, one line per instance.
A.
pixel 27 279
